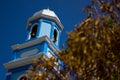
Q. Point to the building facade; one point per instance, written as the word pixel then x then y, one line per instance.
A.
pixel 43 37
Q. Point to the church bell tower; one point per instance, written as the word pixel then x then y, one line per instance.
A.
pixel 43 37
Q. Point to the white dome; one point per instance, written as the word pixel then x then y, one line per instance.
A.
pixel 46 12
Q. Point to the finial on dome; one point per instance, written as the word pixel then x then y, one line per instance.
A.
pixel 48 8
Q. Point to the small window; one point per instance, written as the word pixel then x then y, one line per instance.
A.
pixel 23 78
pixel 55 35
pixel 34 31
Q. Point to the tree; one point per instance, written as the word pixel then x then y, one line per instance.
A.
pixel 93 47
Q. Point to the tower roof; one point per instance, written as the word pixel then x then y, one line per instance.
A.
pixel 45 13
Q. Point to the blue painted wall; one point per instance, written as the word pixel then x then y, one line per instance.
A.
pixel 16 75
pixel 17 72
pixel 38 47
pixel 45 27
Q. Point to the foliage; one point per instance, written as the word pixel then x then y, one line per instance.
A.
pixel 93 47
pixel 41 67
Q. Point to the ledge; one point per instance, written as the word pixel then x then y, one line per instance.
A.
pixel 34 42
pixel 46 17
pixel 22 61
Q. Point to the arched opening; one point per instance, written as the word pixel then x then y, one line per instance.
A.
pixel 34 31
pixel 23 78
pixel 55 35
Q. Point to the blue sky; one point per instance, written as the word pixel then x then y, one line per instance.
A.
pixel 15 13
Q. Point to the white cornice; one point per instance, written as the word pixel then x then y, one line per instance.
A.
pixel 34 42
pixel 46 17
pixel 22 61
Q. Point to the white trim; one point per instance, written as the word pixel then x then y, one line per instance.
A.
pixel 34 42
pixel 21 76
pixel 47 17
pixel 22 61
pixel 28 60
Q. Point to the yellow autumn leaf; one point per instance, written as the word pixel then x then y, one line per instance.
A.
pixel 83 38
pixel 85 50
pixel 76 39
pixel 98 45
pixel 96 22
